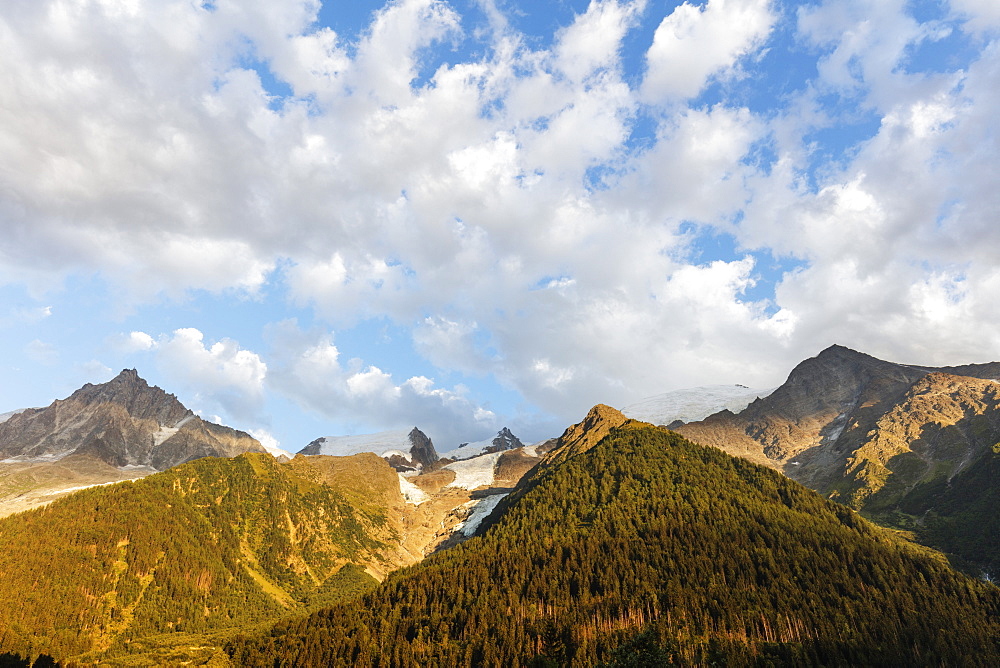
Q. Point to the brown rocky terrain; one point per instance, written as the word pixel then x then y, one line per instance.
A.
pixel 860 429
pixel 584 435
pixel 124 422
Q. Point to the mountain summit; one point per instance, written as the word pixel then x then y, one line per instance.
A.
pixel 124 422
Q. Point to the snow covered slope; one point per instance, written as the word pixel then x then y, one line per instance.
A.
pixel 384 444
pixel 693 404
pixel 405 449
pixel 475 472
pixel 504 440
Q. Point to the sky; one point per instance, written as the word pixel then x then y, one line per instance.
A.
pixel 312 218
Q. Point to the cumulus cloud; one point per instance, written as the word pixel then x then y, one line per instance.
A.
pixel 982 15
pixel 694 43
pixel 307 366
pixel 133 342
pixel 223 375
pixel 528 211
pixel 270 443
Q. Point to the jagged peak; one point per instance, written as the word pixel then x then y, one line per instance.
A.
pixel 141 399
pixel 505 435
pixel 422 449
pixel 130 375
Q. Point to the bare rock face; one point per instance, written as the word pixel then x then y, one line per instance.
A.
pixel 854 427
pixel 943 425
pixel 422 450
pixel 504 440
pixel 124 422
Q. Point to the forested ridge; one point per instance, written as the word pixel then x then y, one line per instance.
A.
pixel 649 547
pixel 216 543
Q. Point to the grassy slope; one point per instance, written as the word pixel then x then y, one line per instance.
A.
pixel 213 544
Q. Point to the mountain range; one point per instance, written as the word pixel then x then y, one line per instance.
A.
pixel 620 542
pixel 885 438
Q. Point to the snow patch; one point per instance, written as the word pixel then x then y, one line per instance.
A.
pixel 343 446
pixel 481 509
pixel 163 434
pixel 475 472
pixel 9 414
pixel 838 429
pixel 468 450
pixel 184 421
pixel 413 494
pixel 693 404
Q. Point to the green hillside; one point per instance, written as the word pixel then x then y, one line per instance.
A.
pixel 213 544
pixel 647 547
pixel 959 516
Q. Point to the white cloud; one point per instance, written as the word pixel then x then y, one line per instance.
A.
pixel 32 315
pixel 982 15
pixel 133 342
pixel 695 43
pixel 223 375
pixel 307 367
pixel 270 443
pixel 494 203
pixel 592 42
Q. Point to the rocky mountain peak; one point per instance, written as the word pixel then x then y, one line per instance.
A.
pixel 422 449
pixel 140 399
pixel 504 440
pixel 124 422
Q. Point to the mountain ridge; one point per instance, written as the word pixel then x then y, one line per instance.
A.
pixel 870 433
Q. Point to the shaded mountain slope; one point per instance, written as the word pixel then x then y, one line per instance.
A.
pixel 215 543
pixel 960 515
pixel 721 560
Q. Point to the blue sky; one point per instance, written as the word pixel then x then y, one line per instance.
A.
pixel 310 219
